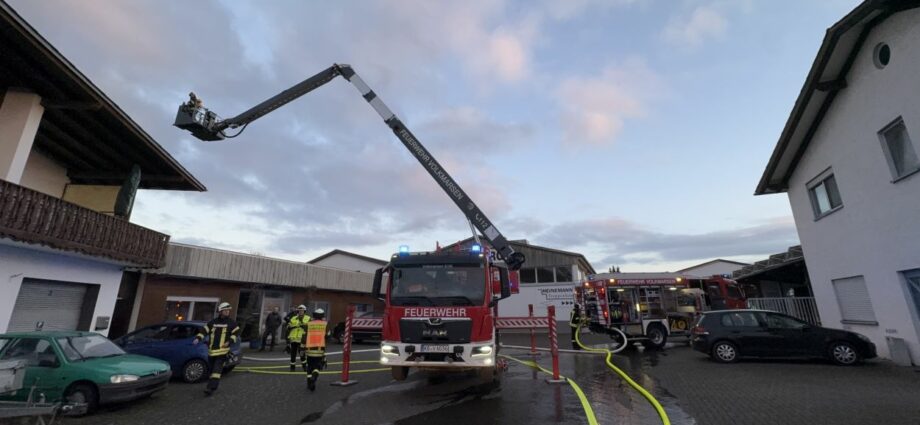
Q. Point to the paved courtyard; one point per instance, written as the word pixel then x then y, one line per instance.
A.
pixel 692 389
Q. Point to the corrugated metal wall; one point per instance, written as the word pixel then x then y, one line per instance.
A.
pixel 205 263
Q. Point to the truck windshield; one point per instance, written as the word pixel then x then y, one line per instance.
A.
pixel 441 284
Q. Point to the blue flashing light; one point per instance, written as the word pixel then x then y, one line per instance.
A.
pixel 476 248
pixel 404 249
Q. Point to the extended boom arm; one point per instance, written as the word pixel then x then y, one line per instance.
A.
pixel 207 126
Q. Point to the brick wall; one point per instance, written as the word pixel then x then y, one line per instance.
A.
pixel 157 288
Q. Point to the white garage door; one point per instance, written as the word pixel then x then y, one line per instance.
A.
pixel 55 303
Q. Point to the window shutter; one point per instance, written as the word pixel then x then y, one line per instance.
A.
pixel 853 298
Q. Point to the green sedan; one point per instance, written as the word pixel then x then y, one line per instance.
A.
pixel 81 367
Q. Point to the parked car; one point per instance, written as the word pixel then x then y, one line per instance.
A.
pixel 81 367
pixel 361 335
pixel 173 342
pixel 728 335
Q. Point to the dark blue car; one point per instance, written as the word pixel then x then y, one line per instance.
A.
pixel 173 342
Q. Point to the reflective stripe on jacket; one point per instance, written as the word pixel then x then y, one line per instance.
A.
pixel 220 332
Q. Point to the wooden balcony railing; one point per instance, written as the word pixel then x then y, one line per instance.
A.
pixel 34 217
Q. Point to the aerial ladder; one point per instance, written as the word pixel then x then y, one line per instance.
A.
pixel 208 126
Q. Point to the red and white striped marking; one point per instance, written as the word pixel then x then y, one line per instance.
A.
pixel 521 322
pixel 375 323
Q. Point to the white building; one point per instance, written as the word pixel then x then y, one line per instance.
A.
pixel 717 267
pixel 70 163
pixel 848 159
pixel 344 260
pixel 548 278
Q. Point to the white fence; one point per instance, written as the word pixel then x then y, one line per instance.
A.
pixel 803 308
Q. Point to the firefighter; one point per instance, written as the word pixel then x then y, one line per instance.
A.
pixel 297 328
pixel 221 332
pixel 575 320
pixel 315 347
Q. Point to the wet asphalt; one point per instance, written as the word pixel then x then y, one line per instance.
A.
pixel 691 389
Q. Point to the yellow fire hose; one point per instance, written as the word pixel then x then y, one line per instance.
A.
pixel 646 394
pixel 267 369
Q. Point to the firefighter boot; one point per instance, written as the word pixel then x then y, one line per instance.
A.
pixel 311 381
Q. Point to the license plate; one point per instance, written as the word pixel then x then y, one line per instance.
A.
pixel 435 348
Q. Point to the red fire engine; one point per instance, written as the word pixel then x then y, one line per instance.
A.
pixel 650 307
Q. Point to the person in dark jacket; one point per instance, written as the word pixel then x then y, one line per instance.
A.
pixel 221 332
pixel 272 322
pixel 575 322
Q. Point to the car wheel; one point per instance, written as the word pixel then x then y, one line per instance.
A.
pixel 843 353
pixel 84 394
pixel 400 372
pixel 194 371
pixel 657 337
pixel 725 352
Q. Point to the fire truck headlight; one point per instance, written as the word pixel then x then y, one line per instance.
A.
pixel 389 350
pixel 485 350
pixel 384 360
pixel 487 361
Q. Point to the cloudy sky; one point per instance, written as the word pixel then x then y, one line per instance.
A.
pixel 632 131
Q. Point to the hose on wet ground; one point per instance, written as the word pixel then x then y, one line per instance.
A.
pixel 267 370
pixel 589 412
pixel 648 396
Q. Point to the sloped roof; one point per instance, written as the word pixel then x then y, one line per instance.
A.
pixel 348 254
pixel 826 78
pixel 81 128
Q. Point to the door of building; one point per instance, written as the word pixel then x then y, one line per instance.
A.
pixel 58 304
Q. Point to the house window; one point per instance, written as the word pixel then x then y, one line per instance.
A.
pixel 913 286
pixel 902 159
pixel 528 275
pixel 545 275
pixel 190 308
pixel 825 198
pixel 854 302
pixel 564 274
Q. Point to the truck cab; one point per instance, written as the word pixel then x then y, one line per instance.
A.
pixel 440 309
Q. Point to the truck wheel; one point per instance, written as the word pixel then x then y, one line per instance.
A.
pixel 399 372
pixel 657 337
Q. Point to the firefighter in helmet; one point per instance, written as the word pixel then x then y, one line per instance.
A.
pixel 575 322
pixel 221 332
pixel 297 330
pixel 315 347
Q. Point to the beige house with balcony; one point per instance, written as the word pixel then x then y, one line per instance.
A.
pixel 71 162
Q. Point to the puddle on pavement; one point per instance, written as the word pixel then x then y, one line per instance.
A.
pixel 523 397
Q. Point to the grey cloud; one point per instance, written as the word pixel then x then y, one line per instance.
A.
pixel 621 241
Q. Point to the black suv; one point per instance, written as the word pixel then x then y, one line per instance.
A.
pixel 727 335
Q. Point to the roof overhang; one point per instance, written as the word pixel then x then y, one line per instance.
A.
pixel 81 129
pixel 826 78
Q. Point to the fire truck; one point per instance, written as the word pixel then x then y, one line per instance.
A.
pixel 440 306
pixel 440 310
pixel 650 307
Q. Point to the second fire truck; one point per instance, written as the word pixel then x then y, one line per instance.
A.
pixel 650 307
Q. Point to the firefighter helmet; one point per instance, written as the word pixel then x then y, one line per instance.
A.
pixel 224 306
pixel 319 311
pixel 302 307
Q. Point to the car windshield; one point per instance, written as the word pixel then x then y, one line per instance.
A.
pixel 88 347
pixel 440 284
